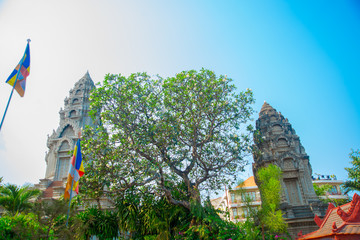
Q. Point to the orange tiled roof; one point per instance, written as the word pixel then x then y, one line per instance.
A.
pixel 250 182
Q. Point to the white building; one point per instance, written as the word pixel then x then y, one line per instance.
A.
pixel 233 201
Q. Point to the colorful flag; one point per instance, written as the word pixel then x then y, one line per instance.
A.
pixel 21 72
pixel 75 172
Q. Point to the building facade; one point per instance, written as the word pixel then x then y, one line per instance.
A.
pixel 239 202
pixel 246 197
pixel 334 193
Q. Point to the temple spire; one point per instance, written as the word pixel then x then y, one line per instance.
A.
pixel 87 75
pixel 266 109
pixel 277 143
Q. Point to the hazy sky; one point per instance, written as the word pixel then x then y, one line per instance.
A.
pixel 302 57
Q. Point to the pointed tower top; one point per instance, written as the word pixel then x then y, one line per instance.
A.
pixel 86 79
pixel 266 109
pixel 87 75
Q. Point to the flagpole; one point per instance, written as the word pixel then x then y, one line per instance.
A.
pixel 7 106
pixel 12 91
pixel 72 185
pixel 71 190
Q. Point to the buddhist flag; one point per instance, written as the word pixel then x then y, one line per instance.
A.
pixel 20 73
pixel 75 172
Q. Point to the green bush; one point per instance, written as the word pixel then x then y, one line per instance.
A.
pixel 21 226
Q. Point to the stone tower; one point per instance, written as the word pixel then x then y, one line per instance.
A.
pixel 278 144
pixel 73 117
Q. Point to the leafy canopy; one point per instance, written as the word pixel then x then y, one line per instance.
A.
pixel 15 199
pixel 159 132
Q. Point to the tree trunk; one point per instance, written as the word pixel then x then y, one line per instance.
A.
pixel 194 199
pixel 194 194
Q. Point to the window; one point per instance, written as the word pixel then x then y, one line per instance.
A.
pixel 63 162
pixel 282 142
pixel 277 129
pixel 72 113
pixel 333 190
pixel 64 149
pixel 65 146
pixel 234 210
pixel 68 131
pixel 250 196
pixel 247 211
pixel 63 168
pixel 232 197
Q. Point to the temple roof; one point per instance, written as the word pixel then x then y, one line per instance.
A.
pixel 86 79
pixel 266 109
pixel 338 221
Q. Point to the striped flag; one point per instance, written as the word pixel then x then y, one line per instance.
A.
pixel 75 172
pixel 21 72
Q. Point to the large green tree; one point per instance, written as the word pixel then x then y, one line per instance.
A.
pixel 158 133
pixel 15 199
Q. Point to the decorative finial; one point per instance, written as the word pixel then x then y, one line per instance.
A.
pixel 334 226
pixel 87 74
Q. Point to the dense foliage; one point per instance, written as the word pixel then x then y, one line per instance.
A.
pixel 44 220
pixel 158 133
pixel 321 190
pixel 52 215
pixel 132 218
pixel 21 226
pixel 270 188
pixel 95 222
pixel 15 199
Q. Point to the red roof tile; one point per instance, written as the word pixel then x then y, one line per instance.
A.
pixel 340 221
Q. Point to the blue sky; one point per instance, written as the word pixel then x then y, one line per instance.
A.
pixel 301 57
